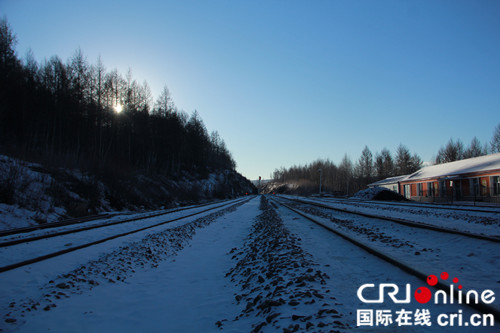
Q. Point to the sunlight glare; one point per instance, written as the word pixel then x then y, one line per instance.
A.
pixel 118 108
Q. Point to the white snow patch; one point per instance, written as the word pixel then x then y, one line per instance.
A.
pixel 369 193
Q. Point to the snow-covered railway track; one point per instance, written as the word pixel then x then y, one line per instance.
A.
pixel 57 224
pixel 397 262
pixel 413 224
pixel 66 239
pixel 15 237
pixel 354 202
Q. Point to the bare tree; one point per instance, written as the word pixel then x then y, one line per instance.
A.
pixel 475 149
pixel 495 141
pixel 403 160
pixel 364 167
pixel 8 41
pixel 345 174
pixel 78 74
pixel 453 151
pixel 384 164
pixel 415 163
pixel 164 104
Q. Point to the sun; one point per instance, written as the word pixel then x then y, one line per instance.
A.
pixel 118 108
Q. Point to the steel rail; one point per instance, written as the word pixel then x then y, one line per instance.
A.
pixel 82 246
pixel 16 231
pixel 95 226
pixel 481 307
pixel 77 220
pixel 412 204
pixel 402 222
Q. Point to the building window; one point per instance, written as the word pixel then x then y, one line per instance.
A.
pixel 474 186
pixel 430 189
pixel 406 190
pixel 442 188
pixel 484 187
pixel 495 184
pixel 419 190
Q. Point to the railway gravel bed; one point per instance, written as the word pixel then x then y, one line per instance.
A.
pixel 280 284
pixel 476 222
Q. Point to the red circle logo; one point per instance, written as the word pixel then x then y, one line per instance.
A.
pixel 432 280
pixel 423 295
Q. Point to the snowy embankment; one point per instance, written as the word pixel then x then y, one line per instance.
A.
pixel 32 194
pixel 25 195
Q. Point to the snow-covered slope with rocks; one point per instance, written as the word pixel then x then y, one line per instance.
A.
pixel 31 193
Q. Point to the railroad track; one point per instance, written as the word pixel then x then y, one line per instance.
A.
pixel 408 223
pixel 78 220
pixel 413 205
pixel 40 258
pixel 481 307
pixel 21 240
pixel 62 223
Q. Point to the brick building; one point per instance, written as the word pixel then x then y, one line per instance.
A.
pixel 473 179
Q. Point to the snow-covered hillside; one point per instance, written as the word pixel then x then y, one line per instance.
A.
pixel 31 193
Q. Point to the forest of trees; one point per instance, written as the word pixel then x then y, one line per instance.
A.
pixel 349 177
pixel 81 115
pixel 455 150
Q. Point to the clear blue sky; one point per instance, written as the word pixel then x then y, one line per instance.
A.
pixel 287 82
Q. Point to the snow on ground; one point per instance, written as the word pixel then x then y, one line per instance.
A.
pixel 24 251
pixel 349 268
pixel 13 216
pixel 23 194
pixel 475 261
pixel 281 286
pixel 241 269
pixel 31 194
pixel 369 193
pixel 476 222
pixel 29 293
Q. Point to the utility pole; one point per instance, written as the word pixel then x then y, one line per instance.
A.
pixel 320 176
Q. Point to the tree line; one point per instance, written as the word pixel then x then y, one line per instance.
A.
pixel 455 150
pixel 349 177
pixel 79 114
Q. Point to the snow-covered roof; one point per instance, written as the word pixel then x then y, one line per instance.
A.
pixel 471 165
pixel 390 180
pixel 449 170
